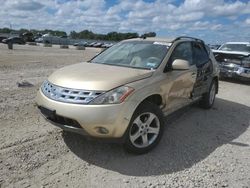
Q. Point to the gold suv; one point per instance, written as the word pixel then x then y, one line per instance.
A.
pixel 124 92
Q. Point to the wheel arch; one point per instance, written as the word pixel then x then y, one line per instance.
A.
pixel 145 105
pixel 155 99
pixel 152 98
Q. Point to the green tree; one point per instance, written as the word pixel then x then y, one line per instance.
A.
pixel 5 30
pixel 149 34
pixel 85 34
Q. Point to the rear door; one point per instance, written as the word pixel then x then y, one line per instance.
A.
pixel 204 69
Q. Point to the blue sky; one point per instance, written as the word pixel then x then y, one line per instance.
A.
pixel 215 21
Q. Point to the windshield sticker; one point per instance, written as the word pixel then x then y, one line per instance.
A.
pixel 151 65
pixel 163 43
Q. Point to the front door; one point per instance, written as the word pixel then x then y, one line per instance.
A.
pixel 182 81
pixel 204 69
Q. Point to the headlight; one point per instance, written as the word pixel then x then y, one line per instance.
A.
pixel 115 96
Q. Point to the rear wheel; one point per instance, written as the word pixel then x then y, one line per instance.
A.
pixel 207 100
pixel 145 128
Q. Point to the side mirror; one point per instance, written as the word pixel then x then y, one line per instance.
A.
pixel 180 64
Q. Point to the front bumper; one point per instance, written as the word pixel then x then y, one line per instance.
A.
pixel 87 119
pixel 239 72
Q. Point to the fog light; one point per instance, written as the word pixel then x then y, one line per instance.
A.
pixel 102 130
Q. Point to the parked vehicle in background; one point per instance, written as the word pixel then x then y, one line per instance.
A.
pixel 39 40
pixel 81 43
pixel 63 37
pixel 1 38
pixel 14 40
pixel 234 60
pixel 107 45
pixel 214 46
pixel 27 37
pixel 38 35
pixel 125 91
pixel 91 44
pixel 98 44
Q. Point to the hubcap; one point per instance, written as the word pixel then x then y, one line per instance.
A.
pixel 212 94
pixel 144 130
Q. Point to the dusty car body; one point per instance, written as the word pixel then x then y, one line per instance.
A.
pixel 234 60
pixel 124 92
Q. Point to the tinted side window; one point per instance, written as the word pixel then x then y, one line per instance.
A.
pixel 200 54
pixel 183 51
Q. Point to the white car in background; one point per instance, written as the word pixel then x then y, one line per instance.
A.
pixel 234 60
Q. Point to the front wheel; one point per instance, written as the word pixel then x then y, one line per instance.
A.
pixel 208 98
pixel 145 128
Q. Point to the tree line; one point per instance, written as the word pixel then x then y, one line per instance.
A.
pixel 113 36
pixel 34 31
pixel 85 34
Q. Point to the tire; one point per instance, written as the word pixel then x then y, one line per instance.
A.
pixel 208 98
pixel 145 129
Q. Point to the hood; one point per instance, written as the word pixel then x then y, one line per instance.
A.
pixel 99 77
pixel 231 52
pixel 230 56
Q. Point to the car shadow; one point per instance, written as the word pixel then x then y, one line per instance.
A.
pixel 236 81
pixel 190 137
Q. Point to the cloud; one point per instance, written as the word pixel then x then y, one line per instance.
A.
pixel 231 9
pixel 247 21
pixel 25 5
pixel 192 16
pixel 166 17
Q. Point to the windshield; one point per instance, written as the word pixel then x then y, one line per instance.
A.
pixel 236 47
pixel 134 54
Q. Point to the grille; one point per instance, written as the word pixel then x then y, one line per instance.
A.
pixel 229 66
pixel 67 94
pixel 234 61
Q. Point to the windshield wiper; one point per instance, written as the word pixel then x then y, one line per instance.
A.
pixel 121 65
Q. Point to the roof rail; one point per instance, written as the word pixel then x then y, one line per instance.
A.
pixel 186 37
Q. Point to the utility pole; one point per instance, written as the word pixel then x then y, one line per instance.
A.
pixel 10 29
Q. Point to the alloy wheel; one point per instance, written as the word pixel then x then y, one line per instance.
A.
pixel 144 130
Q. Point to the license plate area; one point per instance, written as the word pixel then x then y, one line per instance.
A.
pixel 49 114
pixel 59 120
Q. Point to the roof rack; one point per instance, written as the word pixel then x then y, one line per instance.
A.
pixel 186 37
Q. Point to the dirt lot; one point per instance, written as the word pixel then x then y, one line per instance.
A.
pixel 200 148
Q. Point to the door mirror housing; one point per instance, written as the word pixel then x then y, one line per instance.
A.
pixel 180 64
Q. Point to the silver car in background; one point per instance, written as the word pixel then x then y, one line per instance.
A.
pixel 234 60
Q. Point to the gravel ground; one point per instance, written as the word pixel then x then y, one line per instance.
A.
pixel 200 148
